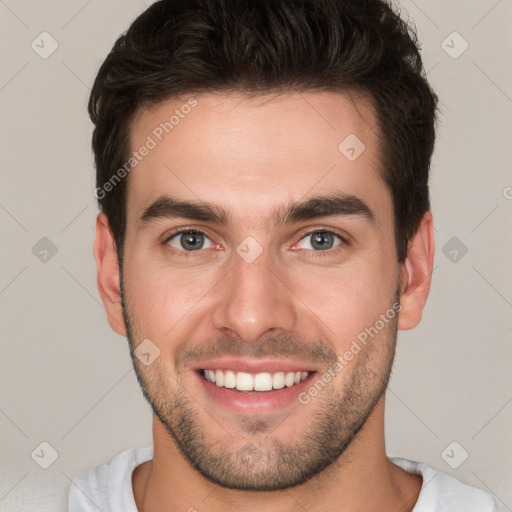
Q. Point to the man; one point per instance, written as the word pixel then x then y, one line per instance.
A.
pixel 262 171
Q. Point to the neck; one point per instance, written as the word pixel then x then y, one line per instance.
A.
pixel 362 479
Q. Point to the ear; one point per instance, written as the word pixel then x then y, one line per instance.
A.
pixel 105 255
pixel 416 274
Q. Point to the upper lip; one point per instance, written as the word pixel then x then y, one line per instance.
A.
pixel 253 365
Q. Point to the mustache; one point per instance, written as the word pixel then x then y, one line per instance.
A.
pixel 287 347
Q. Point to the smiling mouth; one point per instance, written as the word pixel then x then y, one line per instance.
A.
pixel 259 382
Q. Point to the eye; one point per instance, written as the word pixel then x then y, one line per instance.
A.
pixel 320 240
pixel 189 240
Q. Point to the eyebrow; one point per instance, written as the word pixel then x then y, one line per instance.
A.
pixel 332 205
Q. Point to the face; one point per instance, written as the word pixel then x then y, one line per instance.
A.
pixel 257 249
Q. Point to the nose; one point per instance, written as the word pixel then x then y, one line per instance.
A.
pixel 255 300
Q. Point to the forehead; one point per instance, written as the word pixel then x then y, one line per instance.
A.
pixel 251 154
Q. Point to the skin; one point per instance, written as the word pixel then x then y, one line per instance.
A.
pixel 248 156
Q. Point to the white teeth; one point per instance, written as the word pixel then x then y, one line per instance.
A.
pixel 278 380
pixel 229 379
pixel 264 381
pixel 289 379
pixel 244 381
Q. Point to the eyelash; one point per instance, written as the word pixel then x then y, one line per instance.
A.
pixel 317 254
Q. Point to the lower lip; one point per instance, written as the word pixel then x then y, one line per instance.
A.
pixel 254 401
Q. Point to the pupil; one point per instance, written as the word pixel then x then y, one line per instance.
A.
pixel 192 240
pixel 322 240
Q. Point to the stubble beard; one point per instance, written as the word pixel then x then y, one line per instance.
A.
pixel 264 462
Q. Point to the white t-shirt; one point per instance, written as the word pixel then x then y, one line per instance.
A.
pixel 109 487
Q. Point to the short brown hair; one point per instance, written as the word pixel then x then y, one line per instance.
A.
pixel 265 46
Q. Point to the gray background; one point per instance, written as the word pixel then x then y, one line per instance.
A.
pixel 66 378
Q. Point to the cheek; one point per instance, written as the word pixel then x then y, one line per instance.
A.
pixel 161 297
pixel 346 299
pixel 340 300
